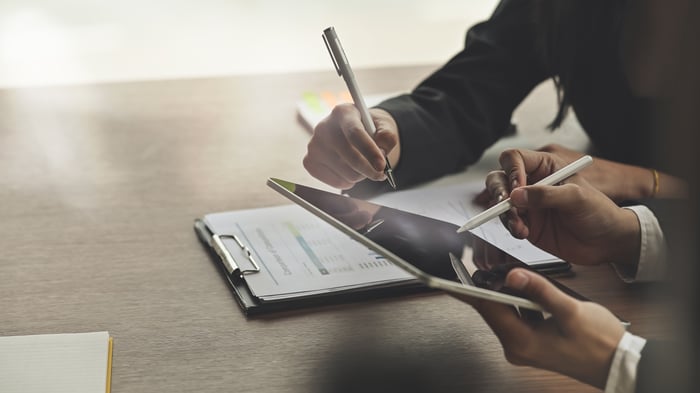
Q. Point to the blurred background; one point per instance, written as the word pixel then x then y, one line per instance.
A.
pixel 55 42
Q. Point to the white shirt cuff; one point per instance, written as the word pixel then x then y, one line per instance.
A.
pixel 652 253
pixel 623 370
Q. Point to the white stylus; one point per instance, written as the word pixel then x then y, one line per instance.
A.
pixel 503 206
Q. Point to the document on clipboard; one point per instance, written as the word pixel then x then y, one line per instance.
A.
pixel 282 257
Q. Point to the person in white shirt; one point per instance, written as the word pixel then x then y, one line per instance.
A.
pixel 580 224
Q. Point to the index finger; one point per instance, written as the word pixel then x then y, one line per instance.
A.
pixel 497 185
pixel 513 164
pixel 521 165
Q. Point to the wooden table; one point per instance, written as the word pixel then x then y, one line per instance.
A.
pixel 100 185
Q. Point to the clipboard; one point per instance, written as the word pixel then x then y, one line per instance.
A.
pixel 236 262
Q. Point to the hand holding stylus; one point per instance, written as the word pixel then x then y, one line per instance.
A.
pixel 503 206
pixel 573 221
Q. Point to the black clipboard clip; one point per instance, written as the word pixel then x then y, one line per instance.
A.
pixel 227 259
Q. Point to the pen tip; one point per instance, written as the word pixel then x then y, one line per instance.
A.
pixel 465 228
pixel 389 172
pixel 390 179
pixel 392 183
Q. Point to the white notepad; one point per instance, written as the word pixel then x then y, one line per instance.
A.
pixel 57 363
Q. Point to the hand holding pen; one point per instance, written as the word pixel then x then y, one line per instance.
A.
pixel 352 143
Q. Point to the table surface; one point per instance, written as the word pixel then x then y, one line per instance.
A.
pixel 100 187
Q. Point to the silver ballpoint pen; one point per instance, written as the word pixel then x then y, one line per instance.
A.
pixel 342 66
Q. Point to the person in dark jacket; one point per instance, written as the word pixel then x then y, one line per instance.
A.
pixel 450 118
pixel 623 67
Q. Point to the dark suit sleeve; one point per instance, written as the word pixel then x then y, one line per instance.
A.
pixel 672 216
pixel 664 367
pixel 448 121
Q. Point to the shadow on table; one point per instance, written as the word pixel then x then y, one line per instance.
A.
pixel 388 368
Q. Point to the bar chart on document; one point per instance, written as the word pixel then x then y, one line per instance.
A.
pixel 326 255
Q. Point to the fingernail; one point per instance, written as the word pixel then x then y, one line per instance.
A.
pixel 517 280
pixel 514 184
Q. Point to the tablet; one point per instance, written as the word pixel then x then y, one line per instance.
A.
pixel 420 245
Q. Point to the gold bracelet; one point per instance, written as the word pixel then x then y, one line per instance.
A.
pixel 655 191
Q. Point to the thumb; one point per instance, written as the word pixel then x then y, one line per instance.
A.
pixel 562 197
pixel 538 289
